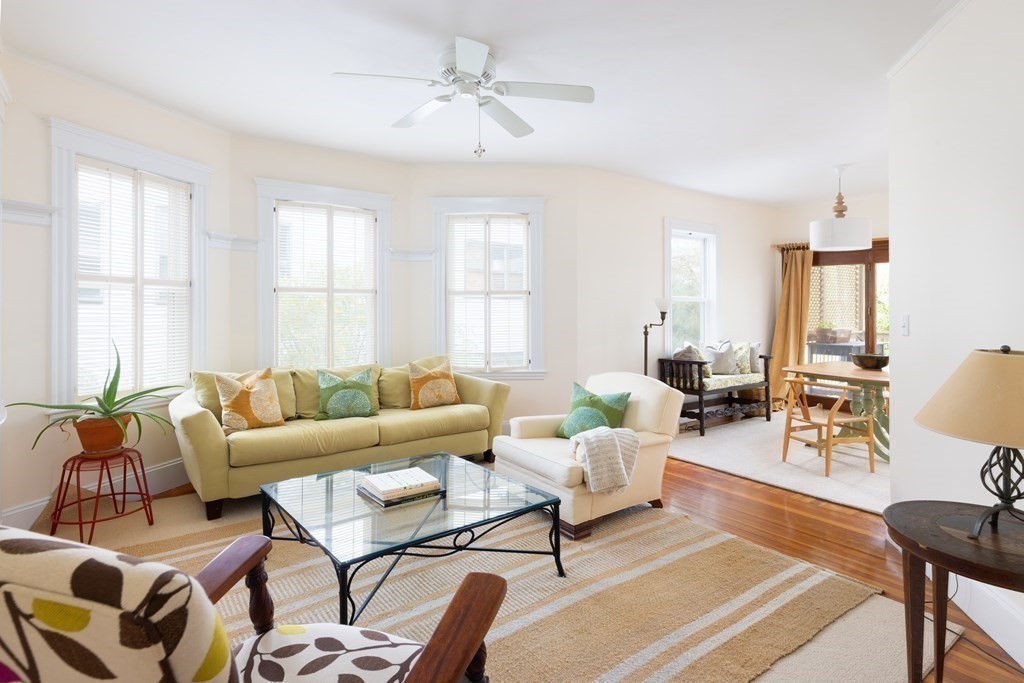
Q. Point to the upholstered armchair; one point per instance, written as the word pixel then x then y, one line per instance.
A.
pixel 535 455
pixel 72 612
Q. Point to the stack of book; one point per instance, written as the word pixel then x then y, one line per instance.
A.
pixel 401 486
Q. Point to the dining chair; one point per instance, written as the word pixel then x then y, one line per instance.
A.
pixel 802 416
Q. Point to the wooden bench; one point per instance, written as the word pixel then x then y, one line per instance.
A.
pixel 688 377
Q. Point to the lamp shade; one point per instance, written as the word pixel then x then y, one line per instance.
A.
pixel 982 401
pixel 840 234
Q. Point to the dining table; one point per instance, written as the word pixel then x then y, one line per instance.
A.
pixel 870 399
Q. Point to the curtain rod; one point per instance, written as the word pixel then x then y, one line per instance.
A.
pixel 791 246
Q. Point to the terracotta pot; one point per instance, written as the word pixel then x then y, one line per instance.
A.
pixel 101 436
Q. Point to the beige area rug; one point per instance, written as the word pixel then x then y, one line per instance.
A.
pixel 752 448
pixel 650 596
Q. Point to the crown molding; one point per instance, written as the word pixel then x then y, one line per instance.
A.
pixel 929 35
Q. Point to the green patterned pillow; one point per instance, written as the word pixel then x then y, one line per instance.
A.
pixel 352 397
pixel 588 411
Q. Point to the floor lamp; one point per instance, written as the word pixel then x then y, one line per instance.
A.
pixel 662 305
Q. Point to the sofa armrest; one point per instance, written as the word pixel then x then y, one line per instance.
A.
pixel 485 392
pixel 204 447
pixel 535 426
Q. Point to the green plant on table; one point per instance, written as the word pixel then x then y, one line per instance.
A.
pixel 106 406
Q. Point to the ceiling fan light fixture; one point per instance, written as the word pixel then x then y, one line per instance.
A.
pixel 840 233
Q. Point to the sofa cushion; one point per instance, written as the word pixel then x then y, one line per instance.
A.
pixel 340 398
pixel 432 388
pixel 307 388
pixel 399 425
pixel 589 411
pixel 205 386
pixel 394 385
pixel 301 439
pixel 249 402
pixel 549 457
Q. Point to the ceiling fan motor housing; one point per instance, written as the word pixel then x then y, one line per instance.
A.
pixel 449 74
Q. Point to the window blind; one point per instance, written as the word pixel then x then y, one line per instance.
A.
pixel 488 297
pixel 325 293
pixel 132 272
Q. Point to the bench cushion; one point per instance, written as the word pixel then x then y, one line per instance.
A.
pixel 720 382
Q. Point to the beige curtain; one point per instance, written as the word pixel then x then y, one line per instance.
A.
pixel 791 319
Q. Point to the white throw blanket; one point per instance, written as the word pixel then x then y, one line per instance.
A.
pixel 608 457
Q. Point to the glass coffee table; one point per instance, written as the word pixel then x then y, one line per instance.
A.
pixel 324 510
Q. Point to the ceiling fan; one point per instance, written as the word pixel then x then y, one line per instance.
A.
pixel 468 69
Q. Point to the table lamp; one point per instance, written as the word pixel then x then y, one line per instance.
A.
pixel 983 401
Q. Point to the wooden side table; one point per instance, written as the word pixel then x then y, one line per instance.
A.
pixel 936 532
pixel 126 458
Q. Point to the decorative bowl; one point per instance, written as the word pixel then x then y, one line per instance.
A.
pixel 869 361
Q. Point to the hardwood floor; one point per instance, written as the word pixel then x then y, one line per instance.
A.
pixel 845 540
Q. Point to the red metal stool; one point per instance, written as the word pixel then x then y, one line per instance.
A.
pixel 73 468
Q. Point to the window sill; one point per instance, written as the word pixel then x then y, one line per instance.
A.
pixel 508 375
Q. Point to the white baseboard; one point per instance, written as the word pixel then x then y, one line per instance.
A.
pixel 1001 619
pixel 166 475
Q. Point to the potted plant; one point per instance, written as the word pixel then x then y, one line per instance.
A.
pixel 102 426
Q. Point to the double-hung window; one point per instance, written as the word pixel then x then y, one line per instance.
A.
pixel 322 292
pixel 129 263
pixel 325 294
pixel 132 274
pixel 490 291
pixel 690 274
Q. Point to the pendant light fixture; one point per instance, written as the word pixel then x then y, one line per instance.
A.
pixel 840 233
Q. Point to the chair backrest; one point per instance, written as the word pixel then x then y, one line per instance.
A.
pixel 797 396
pixel 73 612
pixel 653 405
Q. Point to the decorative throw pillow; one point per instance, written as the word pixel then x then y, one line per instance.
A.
pixel 249 401
pixel 352 397
pixel 691 352
pixel 589 411
pixel 755 357
pixel 722 357
pixel 742 352
pixel 432 387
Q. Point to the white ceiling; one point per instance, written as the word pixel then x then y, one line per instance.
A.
pixel 745 98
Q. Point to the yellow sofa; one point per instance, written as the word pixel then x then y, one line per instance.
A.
pixel 233 466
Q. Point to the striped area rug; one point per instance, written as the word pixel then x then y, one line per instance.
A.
pixel 650 596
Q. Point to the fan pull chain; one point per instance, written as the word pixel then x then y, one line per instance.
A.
pixel 479 151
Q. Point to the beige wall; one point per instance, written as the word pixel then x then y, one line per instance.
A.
pixel 956 245
pixel 603 254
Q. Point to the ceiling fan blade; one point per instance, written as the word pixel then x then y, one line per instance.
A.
pixel 505 117
pixel 421 112
pixel 428 81
pixel 470 56
pixel 546 91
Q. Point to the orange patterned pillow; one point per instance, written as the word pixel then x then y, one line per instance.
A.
pixel 432 387
pixel 249 402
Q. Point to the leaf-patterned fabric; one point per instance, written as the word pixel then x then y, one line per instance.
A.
pixel 326 652
pixel 71 612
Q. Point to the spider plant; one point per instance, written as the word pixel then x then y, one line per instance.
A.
pixel 106 405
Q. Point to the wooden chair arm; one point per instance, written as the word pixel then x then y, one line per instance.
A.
pixel 461 631
pixel 232 564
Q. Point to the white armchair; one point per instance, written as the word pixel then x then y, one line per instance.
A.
pixel 534 455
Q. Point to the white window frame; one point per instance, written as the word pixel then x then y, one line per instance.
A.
pixel 268 193
pixel 67 142
pixel 708 233
pixel 533 207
